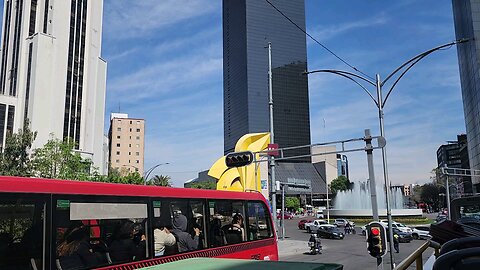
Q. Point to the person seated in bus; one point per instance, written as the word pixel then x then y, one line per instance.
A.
pixel 74 250
pixel 185 241
pixel 217 236
pixel 162 237
pixel 123 247
pixel 235 232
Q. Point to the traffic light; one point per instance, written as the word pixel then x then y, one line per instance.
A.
pixel 376 239
pixel 238 159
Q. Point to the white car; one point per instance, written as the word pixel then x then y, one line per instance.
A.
pixel 314 225
pixel 422 232
pixel 398 226
pixel 262 225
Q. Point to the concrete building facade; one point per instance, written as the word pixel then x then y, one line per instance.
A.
pixel 466 14
pixel 248 26
pixel 51 72
pixel 127 143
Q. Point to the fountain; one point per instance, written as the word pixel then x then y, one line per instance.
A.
pixel 357 202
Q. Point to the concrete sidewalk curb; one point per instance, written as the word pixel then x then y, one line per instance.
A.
pixel 291 247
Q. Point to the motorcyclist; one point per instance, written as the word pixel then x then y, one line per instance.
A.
pixel 316 244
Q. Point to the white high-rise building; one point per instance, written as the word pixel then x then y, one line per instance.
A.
pixel 51 72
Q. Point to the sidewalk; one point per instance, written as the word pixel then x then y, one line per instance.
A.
pixel 291 247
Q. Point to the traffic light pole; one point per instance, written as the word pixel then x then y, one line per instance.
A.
pixel 273 184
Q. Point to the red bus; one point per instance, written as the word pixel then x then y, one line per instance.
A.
pixel 65 225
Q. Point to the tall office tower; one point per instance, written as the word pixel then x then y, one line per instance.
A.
pixel 248 26
pixel 467 17
pixel 51 72
pixel 127 143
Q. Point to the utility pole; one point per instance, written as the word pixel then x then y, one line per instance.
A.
pixel 371 174
pixel 273 183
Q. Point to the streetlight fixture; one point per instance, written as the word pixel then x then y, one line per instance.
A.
pixel 380 104
pixel 149 171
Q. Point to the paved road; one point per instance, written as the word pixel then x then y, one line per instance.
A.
pixel 351 251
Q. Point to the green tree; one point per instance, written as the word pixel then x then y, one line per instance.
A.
pixel 119 177
pixel 15 159
pixel 430 194
pixel 56 159
pixel 160 180
pixel 204 185
pixel 340 183
pixel 292 203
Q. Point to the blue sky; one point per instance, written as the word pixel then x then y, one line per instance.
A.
pixel 165 65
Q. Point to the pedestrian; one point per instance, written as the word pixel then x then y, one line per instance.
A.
pixel 347 229
pixel 396 242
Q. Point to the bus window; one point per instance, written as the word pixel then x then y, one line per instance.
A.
pixel 187 221
pixel 259 224
pixel 21 234
pixel 95 234
pixel 227 225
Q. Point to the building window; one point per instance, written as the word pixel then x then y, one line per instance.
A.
pixel 118 153
pixel 118 137
pixel 138 122
pixel 130 130
pixel 137 153
pixel 138 130
pixel 137 145
pixel 131 122
pixel 118 145
pixel 129 145
pixel 138 161
pixel 138 137
pixel 117 161
pixel 129 153
pixel 119 129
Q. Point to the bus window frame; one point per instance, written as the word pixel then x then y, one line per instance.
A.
pixel 102 199
pixel 46 199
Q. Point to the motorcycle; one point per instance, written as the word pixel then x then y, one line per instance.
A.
pixel 315 244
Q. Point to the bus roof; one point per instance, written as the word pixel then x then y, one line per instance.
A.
pixel 39 185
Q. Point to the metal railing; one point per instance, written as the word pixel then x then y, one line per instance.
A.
pixel 417 256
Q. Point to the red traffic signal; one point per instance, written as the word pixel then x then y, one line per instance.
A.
pixel 375 231
pixel 376 239
pixel 238 159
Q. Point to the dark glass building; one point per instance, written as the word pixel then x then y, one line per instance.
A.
pixel 248 26
pixel 466 14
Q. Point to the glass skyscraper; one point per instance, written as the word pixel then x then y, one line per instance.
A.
pixel 248 26
pixel 466 14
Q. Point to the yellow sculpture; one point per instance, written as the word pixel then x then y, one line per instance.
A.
pixel 243 178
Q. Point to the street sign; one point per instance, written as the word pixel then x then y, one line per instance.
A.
pixel 273 146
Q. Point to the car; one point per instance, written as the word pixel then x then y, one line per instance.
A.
pixel 330 231
pixel 314 225
pixel 301 223
pixel 441 217
pixel 285 216
pixel 403 237
pixel 397 225
pixel 262 225
pixel 421 232
pixel 342 222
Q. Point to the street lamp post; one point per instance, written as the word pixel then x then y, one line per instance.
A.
pixel 149 171
pixel 380 104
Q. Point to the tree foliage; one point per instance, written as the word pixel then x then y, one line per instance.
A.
pixel 204 185
pixel 15 159
pixel 160 180
pixel 292 203
pixel 119 177
pixel 56 159
pixel 430 194
pixel 340 183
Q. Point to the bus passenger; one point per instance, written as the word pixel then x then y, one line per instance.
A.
pixel 162 237
pixel 74 251
pixel 235 232
pixel 184 240
pixel 124 248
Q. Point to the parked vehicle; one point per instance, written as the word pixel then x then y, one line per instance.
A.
pixel 301 223
pixel 315 244
pixel 330 231
pixel 421 232
pixel 314 225
pixel 342 222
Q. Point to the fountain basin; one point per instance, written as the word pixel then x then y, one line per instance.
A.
pixel 367 213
